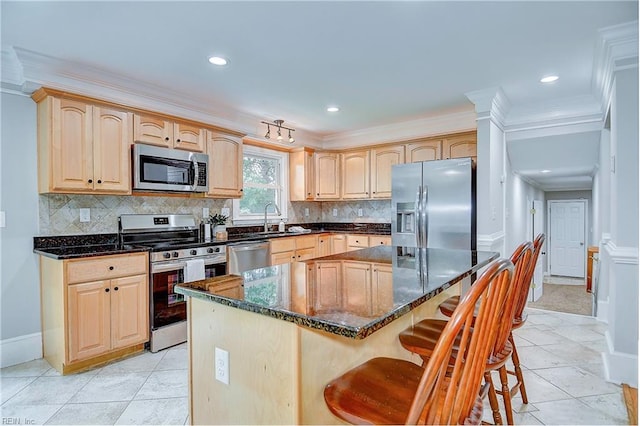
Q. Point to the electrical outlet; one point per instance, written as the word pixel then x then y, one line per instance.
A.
pixel 224 211
pixel 335 212
pixel 85 215
pixel 222 365
pixel 359 212
pixel 306 211
pixel 205 212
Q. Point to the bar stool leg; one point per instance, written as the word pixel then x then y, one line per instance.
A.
pixel 518 371
pixel 506 394
pixel 493 399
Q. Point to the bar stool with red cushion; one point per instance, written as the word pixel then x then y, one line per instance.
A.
pixel 448 306
pixel 394 391
pixel 422 336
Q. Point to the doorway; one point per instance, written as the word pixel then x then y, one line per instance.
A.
pixel 567 245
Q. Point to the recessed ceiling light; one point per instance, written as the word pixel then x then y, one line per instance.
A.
pixel 549 79
pixel 333 109
pixel 545 171
pixel 218 60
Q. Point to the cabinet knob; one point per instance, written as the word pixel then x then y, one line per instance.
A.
pixel 111 268
pixel 90 180
pixel 99 181
pixel 374 192
pixel 115 289
pixel 167 139
pixel 106 290
pixel 318 194
pixel 178 140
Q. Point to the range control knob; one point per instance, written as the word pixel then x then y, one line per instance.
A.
pixel 166 255
pixel 209 250
pixel 175 254
pixel 194 252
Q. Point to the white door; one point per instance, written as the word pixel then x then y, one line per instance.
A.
pixel 538 227
pixel 566 238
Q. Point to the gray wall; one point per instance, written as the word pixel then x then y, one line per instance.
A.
pixel 19 199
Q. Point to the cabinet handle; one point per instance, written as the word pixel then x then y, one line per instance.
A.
pixel 106 290
pixel 90 180
pixel 115 289
pixel 167 139
pixel 111 268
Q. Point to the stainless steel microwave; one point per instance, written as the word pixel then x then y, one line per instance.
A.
pixel 164 169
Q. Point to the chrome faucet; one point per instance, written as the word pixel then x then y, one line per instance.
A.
pixel 266 227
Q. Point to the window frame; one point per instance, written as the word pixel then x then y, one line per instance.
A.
pixel 283 190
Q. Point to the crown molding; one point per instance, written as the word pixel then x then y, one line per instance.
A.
pixel 617 47
pixel 452 122
pixel 490 103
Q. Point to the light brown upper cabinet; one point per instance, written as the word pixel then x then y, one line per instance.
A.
pixel 426 150
pixel 82 148
pixel 156 130
pixel 382 159
pixel 355 174
pixel 225 165
pixel 327 175
pixel 301 175
pixel 460 146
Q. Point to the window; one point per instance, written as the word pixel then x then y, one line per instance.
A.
pixel 265 176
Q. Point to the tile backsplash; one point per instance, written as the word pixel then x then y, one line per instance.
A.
pixel 60 213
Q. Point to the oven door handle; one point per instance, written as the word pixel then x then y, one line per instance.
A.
pixel 174 266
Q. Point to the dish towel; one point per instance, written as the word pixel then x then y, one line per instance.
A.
pixel 194 270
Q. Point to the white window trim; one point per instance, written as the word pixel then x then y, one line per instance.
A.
pixel 272 217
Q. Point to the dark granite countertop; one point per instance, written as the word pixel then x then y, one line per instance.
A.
pixel 301 293
pixel 78 246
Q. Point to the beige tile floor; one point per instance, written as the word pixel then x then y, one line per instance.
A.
pixel 560 354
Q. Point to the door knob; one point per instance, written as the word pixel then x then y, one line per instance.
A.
pixel 581 244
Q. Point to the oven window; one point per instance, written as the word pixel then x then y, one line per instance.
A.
pixel 168 307
pixel 215 270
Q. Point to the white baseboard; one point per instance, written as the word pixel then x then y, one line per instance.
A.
pixel 20 349
pixel 620 367
pixel 603 311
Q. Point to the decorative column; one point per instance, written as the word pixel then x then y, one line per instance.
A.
pixel 491 107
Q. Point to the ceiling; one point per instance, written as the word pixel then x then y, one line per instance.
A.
pixel 382 63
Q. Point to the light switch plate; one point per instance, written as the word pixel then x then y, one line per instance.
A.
pixel 85 215
pixel 306 211
pixel 2 220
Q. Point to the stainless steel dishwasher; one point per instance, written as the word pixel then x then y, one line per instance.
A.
pixel 247 256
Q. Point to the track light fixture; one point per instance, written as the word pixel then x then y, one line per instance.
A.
pixel 279 125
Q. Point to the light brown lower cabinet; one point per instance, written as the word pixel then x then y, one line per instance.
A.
pixel 292 249
pixel 93 309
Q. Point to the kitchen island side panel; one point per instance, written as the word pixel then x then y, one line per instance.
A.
pixel 263 366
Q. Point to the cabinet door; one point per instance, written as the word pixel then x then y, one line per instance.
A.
pixel 324 245
pixel 129 311
pixel 301 175
pixel 357 287
pixel 89 319
pixel 283 257
pixel 152 130
pixel 111 151
pixel 382 159
pixel 305 254
pixel 460 147
pixel 338 244
pixel 71 146
pixel 381 288
pixel 225 166
pixel 424 151
pixel 327 175
pixel 355 174
pixel 189 138
pixel 328 285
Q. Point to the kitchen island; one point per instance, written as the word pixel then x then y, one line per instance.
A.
pixel 290 329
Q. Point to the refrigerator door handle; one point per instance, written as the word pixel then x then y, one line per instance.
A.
pixel 425 217
pixel 418 214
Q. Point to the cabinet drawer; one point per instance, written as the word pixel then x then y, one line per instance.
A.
pixel 357 241
pixel 305 254
pixel 379 240
pixel 282 244
pixel 308 241
pixel 105 267
pixel 282 257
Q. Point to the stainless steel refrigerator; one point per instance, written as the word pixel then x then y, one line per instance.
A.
pixel 433 204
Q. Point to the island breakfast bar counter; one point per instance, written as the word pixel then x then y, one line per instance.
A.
pixel 289 329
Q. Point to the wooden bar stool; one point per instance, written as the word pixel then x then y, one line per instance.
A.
pixel 393 391
pixel 421 338
pixel 448 306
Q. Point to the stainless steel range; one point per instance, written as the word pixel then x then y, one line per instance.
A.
pixel 177 255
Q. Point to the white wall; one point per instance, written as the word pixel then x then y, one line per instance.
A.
pixel 19 274
pixel 577 195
